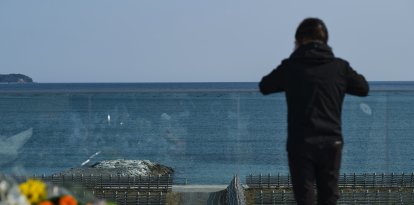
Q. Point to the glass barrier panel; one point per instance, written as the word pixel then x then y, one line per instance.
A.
pixel 207 137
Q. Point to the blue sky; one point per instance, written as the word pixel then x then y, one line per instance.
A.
pixel 194 40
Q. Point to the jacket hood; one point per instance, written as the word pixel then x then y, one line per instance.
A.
pixel 313 53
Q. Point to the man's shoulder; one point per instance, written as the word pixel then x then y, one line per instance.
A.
pixel 286 62
pixel 341 60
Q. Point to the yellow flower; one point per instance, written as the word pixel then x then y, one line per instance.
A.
pixel 34 190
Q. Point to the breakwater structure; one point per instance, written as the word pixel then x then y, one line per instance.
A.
pixel 355 188
pixel 362 188
pixel 149 190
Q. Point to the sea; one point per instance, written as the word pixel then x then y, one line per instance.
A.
pixel 207 132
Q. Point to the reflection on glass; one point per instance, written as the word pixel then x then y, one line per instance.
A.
pixel 207 136
pixel 10 146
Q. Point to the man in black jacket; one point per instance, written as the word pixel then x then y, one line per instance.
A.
pixel 315 83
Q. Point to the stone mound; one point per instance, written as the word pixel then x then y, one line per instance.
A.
pixel 121 167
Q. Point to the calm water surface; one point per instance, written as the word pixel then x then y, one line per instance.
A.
pixel 206 131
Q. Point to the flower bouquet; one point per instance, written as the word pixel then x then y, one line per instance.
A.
pixel 37 192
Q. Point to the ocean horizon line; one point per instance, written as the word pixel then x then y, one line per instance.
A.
pixel 185 82
pixel 142 87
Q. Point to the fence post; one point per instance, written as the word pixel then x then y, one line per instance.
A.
pixel 140 182
pixel 389 196
pixel 345 181
pixel 411 179
pixel 101 181
pixel 170 181
pixel 412 196
pixel 126 198
pixel 148 183
pixel 91 181
pixel 354 180
pixel 160 201
pixel 278 180
pixel 119 181
pixel 158 181
pixel 137 197
pixel 260 180
pixel 288 180
pixel 365 180
pixel 268 180
pixel 353 196
pixel 261 197
pixel 134 182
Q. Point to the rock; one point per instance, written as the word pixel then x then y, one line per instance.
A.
pixel 121 167
pixel 15 78
pixel 232 195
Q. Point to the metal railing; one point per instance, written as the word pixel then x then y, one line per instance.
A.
pixel 124 190
pixel 265 189
pixel 364 188
pixel 160 183
pixel 366 196
pixel 128 197
pixel 354 180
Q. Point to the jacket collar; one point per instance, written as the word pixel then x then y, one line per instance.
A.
pixel 313 52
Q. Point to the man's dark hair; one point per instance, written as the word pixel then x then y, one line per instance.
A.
pixel 312 29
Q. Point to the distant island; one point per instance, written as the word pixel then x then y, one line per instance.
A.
pixel 15 78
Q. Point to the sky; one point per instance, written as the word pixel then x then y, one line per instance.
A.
pixel 195 40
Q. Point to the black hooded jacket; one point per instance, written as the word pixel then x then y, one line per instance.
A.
pixel 315 83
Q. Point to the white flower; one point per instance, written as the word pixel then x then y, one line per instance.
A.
pixel 14 197
pixel 10 193
pixel 3 186
pixel 3 189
